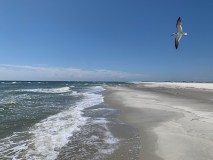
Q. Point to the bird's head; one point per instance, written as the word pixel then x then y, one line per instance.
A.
pixel 185 34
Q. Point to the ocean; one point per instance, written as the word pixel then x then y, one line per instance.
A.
pixel 54 120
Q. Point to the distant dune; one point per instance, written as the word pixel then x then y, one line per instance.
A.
pixel 205 86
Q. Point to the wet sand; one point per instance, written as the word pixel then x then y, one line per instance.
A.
pixel 172 124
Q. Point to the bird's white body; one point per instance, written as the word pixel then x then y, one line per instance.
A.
pixel 178 35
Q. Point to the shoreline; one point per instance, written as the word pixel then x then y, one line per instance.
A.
pixel 172 123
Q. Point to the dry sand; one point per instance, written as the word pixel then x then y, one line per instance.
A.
pixel 173 124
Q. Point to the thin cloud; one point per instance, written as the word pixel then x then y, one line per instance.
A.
pixel 45 73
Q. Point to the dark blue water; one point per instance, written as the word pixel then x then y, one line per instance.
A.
pixel 37 119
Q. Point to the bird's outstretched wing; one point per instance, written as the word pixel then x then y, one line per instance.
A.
pixel 177 40
pixel 178 25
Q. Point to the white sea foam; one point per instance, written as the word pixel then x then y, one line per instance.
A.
pixel 76 94
pixel 100 121
pixel 108 139
pixel 13 99
pixel 9 146
pixel 45 90
pixel 103 109
pixel 98 89
pixel 49 135
pixel 52 133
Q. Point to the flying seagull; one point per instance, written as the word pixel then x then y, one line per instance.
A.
pixel 179 32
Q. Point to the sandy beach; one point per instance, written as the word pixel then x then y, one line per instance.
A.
pixel 172 123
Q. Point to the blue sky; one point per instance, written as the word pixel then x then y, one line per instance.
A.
pixel 105 40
